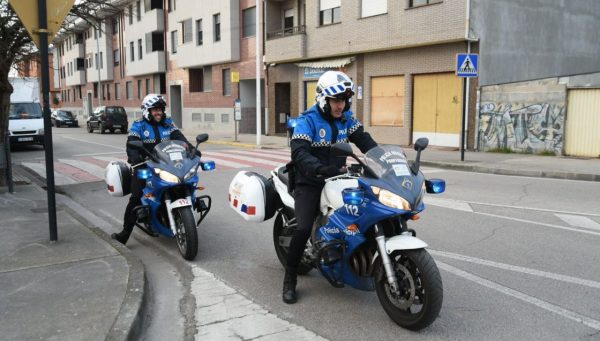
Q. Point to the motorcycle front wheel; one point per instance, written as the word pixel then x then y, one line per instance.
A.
pixel 187 234
pixel 285 228
pixel 419 298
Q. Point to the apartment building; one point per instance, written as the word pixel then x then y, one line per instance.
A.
pixel 200 55
pixel 400 54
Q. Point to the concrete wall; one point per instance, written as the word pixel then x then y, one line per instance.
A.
pixel 524 117
pixel 534 39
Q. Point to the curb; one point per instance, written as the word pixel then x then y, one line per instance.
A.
pixel 129 321
pixel 517 172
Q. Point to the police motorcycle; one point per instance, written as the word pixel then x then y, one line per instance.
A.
pixel 170 204
pixel 361 237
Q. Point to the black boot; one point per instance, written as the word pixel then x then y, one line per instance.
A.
pixel 289 286
pixel 122 236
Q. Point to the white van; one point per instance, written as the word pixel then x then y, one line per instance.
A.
pixel 26 120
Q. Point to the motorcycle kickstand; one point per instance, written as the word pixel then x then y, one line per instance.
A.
pixel 385 259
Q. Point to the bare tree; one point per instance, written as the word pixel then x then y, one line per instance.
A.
pixel 16 45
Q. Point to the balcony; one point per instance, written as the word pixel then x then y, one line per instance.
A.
pixel 286 44
pixel 153 62
pixel 77 78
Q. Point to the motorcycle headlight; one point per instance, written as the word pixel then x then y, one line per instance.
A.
pixel 390 199
pixel 166 176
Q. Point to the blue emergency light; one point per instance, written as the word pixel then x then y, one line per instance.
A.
pixel 208 165
pixel 353 196
pixel 144 174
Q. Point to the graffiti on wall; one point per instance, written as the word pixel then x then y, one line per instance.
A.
pixel 530 128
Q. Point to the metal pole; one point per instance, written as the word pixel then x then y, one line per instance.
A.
pixel 43 32
pixel 467 98
pixel 258 55
pixel 462 129
pixel 9 177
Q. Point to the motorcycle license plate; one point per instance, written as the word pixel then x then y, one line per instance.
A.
pixel 116 126
pixel 24 139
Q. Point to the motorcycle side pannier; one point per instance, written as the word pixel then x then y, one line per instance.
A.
pixel 118 178
pixel 253 196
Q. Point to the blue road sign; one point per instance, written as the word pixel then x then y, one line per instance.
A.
pixel 467 64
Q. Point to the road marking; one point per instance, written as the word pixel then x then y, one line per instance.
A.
pixel 96 154
pixel 515 268
pixel 86 141
pixel 571 315
pixel 262 155
pixel 531 208
pixel 538 223
pixel 448 203
pixel 119 157
pixel 579 221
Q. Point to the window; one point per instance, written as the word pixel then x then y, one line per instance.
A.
pixel 186 31
pixel 196 116
pixel 226 82
pixel 117 91
pixel 152 4
pixel 101 63
pixel 138 10
pixel 129 90
pixel 171 5
pixel 373 7
pixel 95 90
pixel 174 42
pixel 330 12
pixel 217 27
pixel 224 118
pixel 114 25
pixel 116 57
pixel 139 86
pixel 209 117
pixel 131 51
pixel 80 64
pixel 139 49
pixel 288 21
pixel 154 42
pixel 130 14
pixel 200 80
pixel 100 31
pixel 249 16
pixel 415 3
pixel 96 61
pixel 387 101
pixel 199 32
pixel 147 86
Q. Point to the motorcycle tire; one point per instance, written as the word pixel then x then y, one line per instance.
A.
pixel 187 234
pixel 420 286
pixel 282 251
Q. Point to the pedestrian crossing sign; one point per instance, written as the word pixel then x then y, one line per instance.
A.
pixel 467 64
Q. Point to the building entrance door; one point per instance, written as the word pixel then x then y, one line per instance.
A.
pixel 175 99
pixel 282 107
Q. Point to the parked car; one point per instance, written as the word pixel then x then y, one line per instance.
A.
pixel 61 118
pixel 108 118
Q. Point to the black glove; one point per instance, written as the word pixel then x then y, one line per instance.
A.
pixel 329 171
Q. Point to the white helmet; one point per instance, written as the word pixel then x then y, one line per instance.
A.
pixel 334 84
pixel 153 101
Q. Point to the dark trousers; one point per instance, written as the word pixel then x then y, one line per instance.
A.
pixel 137 186
pixel 306 205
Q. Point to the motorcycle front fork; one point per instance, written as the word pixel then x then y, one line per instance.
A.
pixel 385 258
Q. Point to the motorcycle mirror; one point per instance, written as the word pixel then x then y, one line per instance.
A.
pixel 201 138
pixel 341 149
pixel 421 143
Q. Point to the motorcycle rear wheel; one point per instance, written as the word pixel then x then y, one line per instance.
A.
pixel 420 287
pixel 279 229
pixel 187 234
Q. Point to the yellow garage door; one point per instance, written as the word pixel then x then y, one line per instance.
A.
pixel 437 108
pixel 583 123
pixel 387 101
pixel 310 93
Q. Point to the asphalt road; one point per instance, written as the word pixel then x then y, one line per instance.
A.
pixel 518 256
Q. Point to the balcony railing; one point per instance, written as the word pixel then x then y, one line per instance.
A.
pixel 290 31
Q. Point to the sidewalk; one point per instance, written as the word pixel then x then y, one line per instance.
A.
pixel 559 167
pixel 82 287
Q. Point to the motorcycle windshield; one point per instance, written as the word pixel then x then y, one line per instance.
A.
pixel 387 161
pixel 173 156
